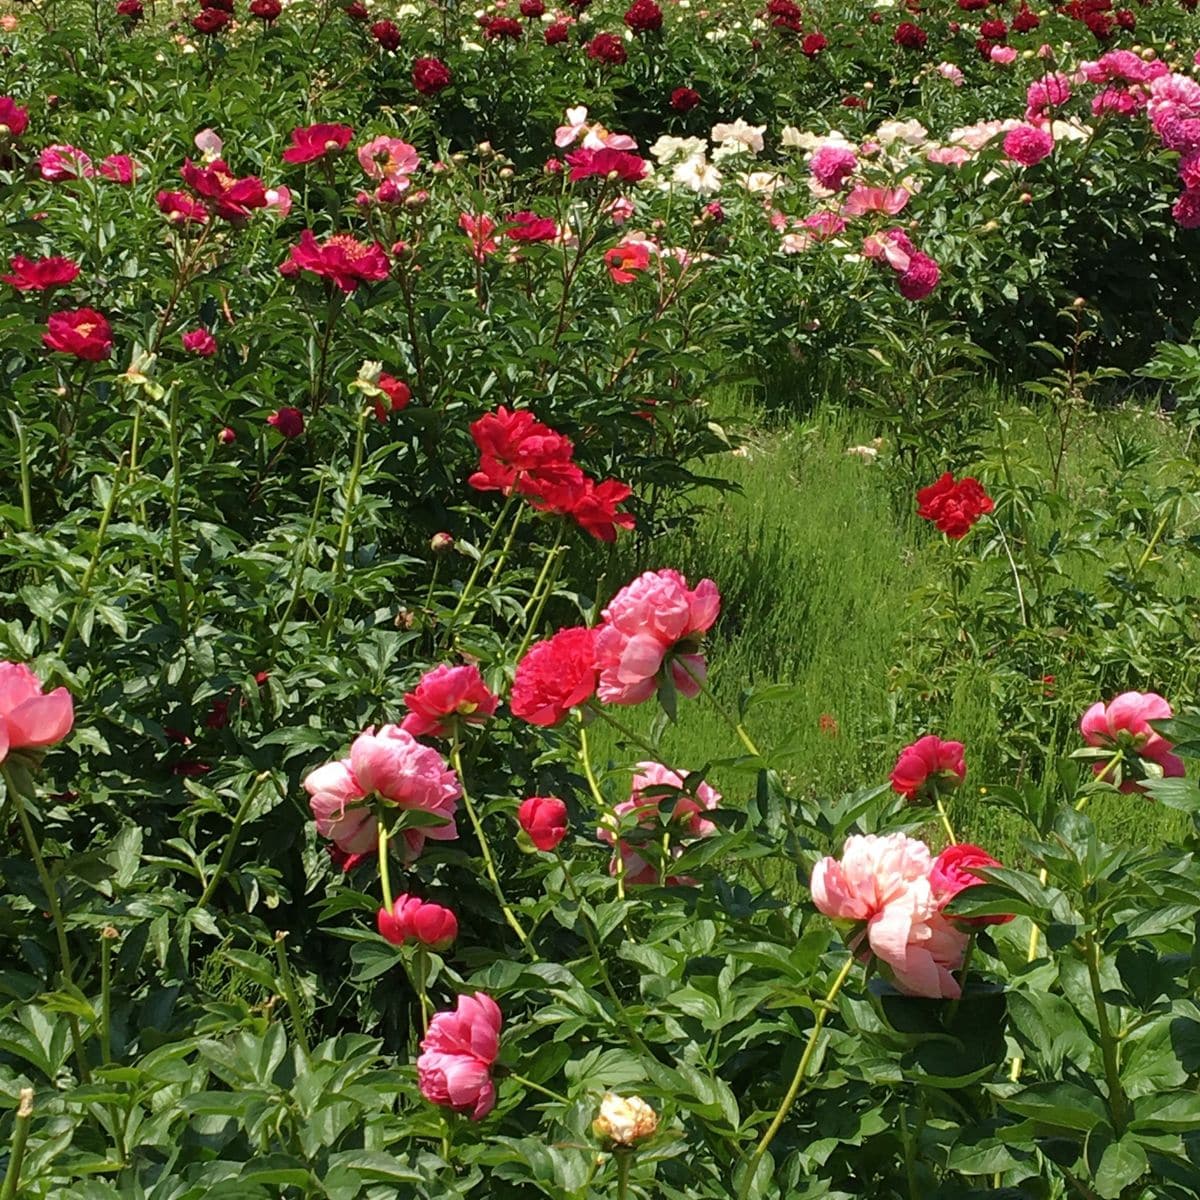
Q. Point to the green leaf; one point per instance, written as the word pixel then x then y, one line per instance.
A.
pixel 1059 1105
pixel 1123 1163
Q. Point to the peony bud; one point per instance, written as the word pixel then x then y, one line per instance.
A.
pixel 624 1120
pixel 417 920
pixel 441 543
pixel 227 437
pixel 543 821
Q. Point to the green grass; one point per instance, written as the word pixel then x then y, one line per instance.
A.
pixel 824 570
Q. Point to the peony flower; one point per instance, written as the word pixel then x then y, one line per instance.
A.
pixel 339 807
pixel 555 676
pixel 624 1120
pixel 394 766
pixel 340 258
pixel 181 209
pixel 14 119
pixel 517 452
pixel 396 393
pixel 389 158
pixel 949 71
pixel 288 421
pixel 543 819
pixel 430 76
pixel 454 1069
pixel 479 227
pixel 200 342
pixel 266 10
pixel 1124 724
pixel 81 332
pixel 60 162
pixel 416 920
pixel 953 872
pixel 1027 145
pixel 118 168
pixel 446 697
pixel 863 200
pixel 387 34
pixel 644 16
pixel 954 507
pixel 223 194
pixel 928 767
pixel 652 624
pixel 31 719
pixel 594 509
pixel 528 227
pixel 608 49
pixel 40 275
pixel 920 278
pixel 626 260
pixel 881 884
pixel 211 21
pixel 311 142
pixel 910 36
pixel 605 163
pixel 831 166
pixel 684 99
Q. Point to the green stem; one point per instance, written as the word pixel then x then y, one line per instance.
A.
pixel 23 452
pixel 56 913
pixel 231 841
pixel 347 514
pixel 537 1087
pixel 623 729
pixel 107 936
pixel 85 585
pixel 952 1007
pixel 823 1011
pixel 385 879
pixel 185 621
pixel 486 849
pixel 1162 525
pixel 726 715
pixel 624 1162
pixel 602 805
pixel 541 592
pixel 507 547
pixel 421 973
pixel 16 1153
pixel 483 553
pixel 1108 1044
pixel 298 565
pixel 289 993
pixel 946 820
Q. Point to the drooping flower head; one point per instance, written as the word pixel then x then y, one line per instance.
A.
pixel 454 1069
pixel 928 768
pixel 1124 724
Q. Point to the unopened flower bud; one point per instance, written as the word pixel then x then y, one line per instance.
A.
pixel 484 150
pixel 417 201
pixel 227 437
pixel 624 1120
pixel 441 543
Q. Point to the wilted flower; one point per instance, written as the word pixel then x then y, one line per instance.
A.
pixel 624 1120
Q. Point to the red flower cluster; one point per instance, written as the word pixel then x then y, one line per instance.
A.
pixel 517 453
pixel 430 76
pixel 644 16
pixel 910 36
pixel 316 141
pixel 501 27
pixel 684 99
pixel 954 507
pixel 607 48
pixel 219 192
pixel 785 14
pixel 606 163
pixel 40 275
pixel 340 258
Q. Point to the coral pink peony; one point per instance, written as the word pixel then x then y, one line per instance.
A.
pixel 626 260
pixel 311 142
pixel 389 158
pixel 555 676
pixel 339 807
pixel 652 624
pixel 40 275
pixel 445 698
pixel 882 885
pixel 863 200
pixel 953 872
pixel 927 767
pixel 1124 724
pixel 454 1069
pixel 411 919
pixel 29 718
pixel 543 820
pixel 82 332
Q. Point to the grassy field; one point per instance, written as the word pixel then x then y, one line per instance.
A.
pixel 823 567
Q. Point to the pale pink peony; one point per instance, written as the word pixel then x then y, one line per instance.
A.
pixel 652 623
pixel 389 158
pixel 863 200
pixel 883 883
pixel 393 765
pixel 29 718
pixel 454 1069
pixel 1124 724
pixel 948 156
pixel 1003 55
pixel 339 807
pixel 949 71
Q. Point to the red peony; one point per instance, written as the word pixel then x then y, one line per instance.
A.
pixel 954 507
pixel 516 451
pixel 288 421
pixel 82 332
pixel 596 512
pixel 130 8
pixel 398 395
pixel 910 36
pixel 199 342
pixel 501 27
pixel 952 872
pixel 543 820
pixel 928 766
pixel 644 16
pixel 445 698
pixel 554 676
pixel 315 141
pixel 181 209
pixel 40 275
pixel 607 48
pixel 222 192
pixel 813 44
pixel 529 227
pixel 14 119
pixel 533 9
pixel 684 99
pixel 386 34
pixel 266 10
pixel 340 259
pixel 211 21
pixel 1025 20
pixel 356 10
pixel 557 33
pixel 430 76
pixel 605 163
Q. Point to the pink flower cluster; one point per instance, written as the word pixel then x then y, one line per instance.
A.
pixel 454 1069
pixel 918 275
pixel 1123 724
pixel 1174 112
pixel 894 894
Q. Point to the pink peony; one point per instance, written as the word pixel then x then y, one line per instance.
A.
pixel 339 807
pixel 411 919
pixel 831 166
pixel 29 718
pixel 1027 145
pixel 556 674
pixel 389 158
pixel 445 697
pixel 652 623
pixel 953 872
pixel 928 766
pixel 1124 724
pixel 1051 91
pixel 454 1069
pixel 118 168
pixel 863 200
pixel 60 162
pixel 199 342
pixel 920 278
pixel 882 885
pixel 543 819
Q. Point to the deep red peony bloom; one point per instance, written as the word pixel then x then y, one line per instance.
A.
pixel 954 507
pixel 340 258
pixel 14 119
pixel 608 49
pixel 266 10
pixel 684 99
pixel 995 30
pixel 41 274
pixel 501 27
pixel 529 227
pixel 952 872
pixel 315 141
pixel 557 33
pixel 386 34
pixel 82 332
pixel 398 395
pixel 130 8
pixel 357 11
pixel 430 76
pixel 644 16
pixel 606 163
pixel 786 14
pixel 199 342
pixel 211 21
pixel 1025 20
pixel 181 209
pixel 910 36
pixel 222 192
pixel 288 421
pixel 533 9
pixel 554 676
pixel 813 44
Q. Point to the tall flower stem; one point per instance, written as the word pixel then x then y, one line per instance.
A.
pixel 489 862
pixel 108 935
pixel 385 880
pixel 420 976
pixel 1108 1045
pixel 23 454
pixel 729 719
pixel 507 547
pixel 537 1087
pixel 288 984
pixel 66 961
pixel 622 728
pixel 360 438
pixel 542 589
pixel 16 1153
pixel 585 760
pixel 945 816
pixel 483 553
pixel 231 841
pixel 185 620
pixel 823 1011
pixel 624 1162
